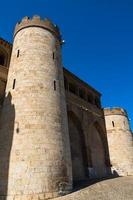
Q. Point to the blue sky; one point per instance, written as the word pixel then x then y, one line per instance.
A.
pixel 99 41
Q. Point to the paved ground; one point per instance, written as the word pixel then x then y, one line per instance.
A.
pixel 114 189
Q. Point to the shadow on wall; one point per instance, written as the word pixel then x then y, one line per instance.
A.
pixel 90 153
pixel 104 146
pixel 7 119
pixel 78 148
pixel 103 136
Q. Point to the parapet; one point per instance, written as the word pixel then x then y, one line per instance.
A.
pixel 36 21
pixel 115 111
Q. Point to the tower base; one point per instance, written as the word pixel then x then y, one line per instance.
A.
pixel 40 196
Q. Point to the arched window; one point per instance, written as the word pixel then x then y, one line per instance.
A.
pixel 2 59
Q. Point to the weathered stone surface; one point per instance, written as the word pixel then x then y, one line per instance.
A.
pixel 44 146
pixel 35 149
pixel 115 189
pixel 120 141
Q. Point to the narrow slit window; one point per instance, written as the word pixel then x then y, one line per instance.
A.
pixel 53 55
pixel 18 53
pixel 113 124
pixel 14 82
pixel 54 85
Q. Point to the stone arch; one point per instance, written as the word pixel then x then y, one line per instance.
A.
pixel 104 140
pixel 97 143
pixel 78 148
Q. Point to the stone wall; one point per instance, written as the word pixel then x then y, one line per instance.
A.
pixel 44 145
pixel 30 75
pixel 34 142
pixel 88 139
pixel 120 141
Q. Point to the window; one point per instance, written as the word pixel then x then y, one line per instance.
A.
pixel 54 85
pixel 90 98
pixel 14 82
pixel 82 93
pixel 2 59
pixel 113 124
pixel 53 55
pixel 18 52
pixel 97 102
pixel 72 88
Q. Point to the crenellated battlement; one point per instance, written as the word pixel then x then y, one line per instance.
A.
pixel 115 111
pixel 36 21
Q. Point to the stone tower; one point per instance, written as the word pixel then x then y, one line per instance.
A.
pixel 35 154
pixel 120 141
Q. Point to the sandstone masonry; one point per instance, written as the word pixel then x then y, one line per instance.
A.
pixel 120 141
pixel 53 130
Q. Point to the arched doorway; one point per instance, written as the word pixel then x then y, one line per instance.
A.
pixel 78 148
pixel 96 143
